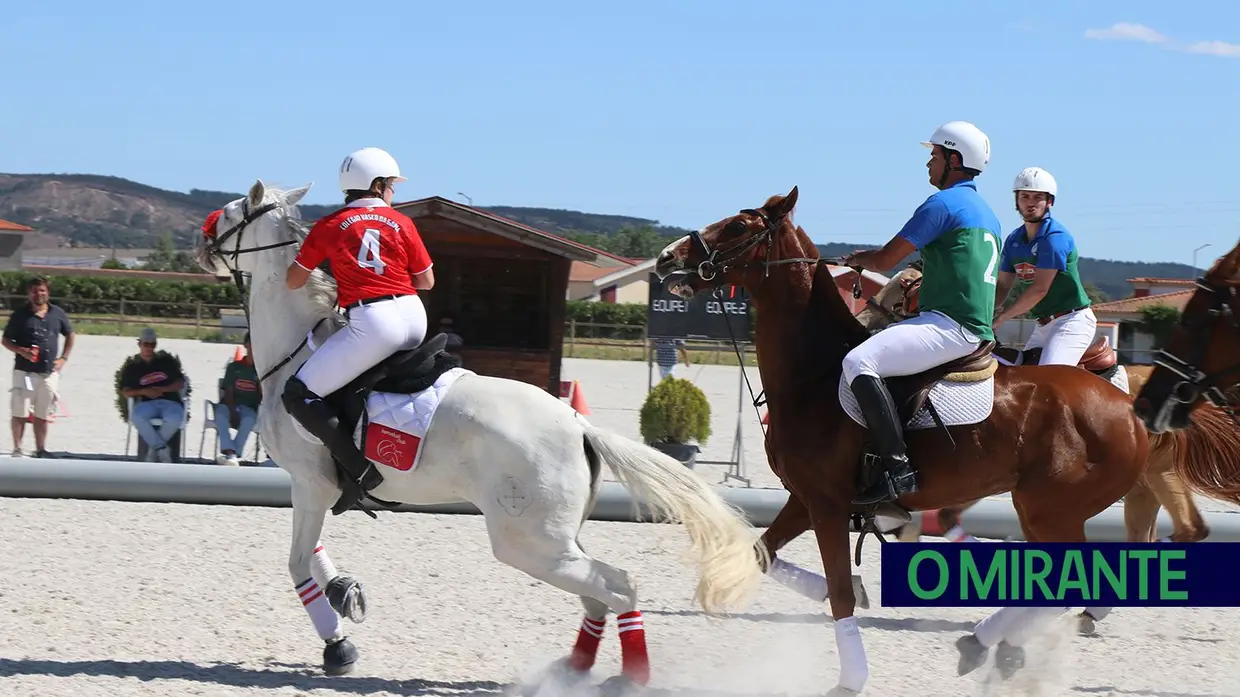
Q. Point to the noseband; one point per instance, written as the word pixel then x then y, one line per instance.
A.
pixel 733 257
pixel 1195 383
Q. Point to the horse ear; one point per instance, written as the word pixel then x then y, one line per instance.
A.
pixel 295 195
pixel 784 207
pixel 257 192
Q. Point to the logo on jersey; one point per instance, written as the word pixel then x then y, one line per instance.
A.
pixel 153 378
pixel 1025 271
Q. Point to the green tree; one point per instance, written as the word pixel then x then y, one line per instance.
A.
pixel 1159 321
pixel 166 257
pixel 1095 294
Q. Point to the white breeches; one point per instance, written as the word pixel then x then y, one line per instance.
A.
pixel 374 332
pixel 905 348
pixel 1064 340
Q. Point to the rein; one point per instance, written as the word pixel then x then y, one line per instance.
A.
pixel 213 248
pixel 710 268
pixel 1195 383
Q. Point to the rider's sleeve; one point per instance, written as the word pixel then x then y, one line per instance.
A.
pixel 312 252
pixel 1053 252
pixel 928 222
pixel 419 258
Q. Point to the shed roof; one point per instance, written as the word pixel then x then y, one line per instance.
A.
pixel 511 229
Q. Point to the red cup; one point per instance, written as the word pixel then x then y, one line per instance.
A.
pixel 34 354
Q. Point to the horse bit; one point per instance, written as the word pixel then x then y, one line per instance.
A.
pixel 1195 383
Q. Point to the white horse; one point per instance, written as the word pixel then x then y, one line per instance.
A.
pixel 529 462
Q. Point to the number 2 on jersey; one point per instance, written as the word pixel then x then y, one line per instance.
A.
pixel 994 261
pixel 368 252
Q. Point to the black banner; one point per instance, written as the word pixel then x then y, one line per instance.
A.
pixel 670 317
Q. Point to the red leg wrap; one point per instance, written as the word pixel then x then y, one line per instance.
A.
pixel 635 663
pixel 586 648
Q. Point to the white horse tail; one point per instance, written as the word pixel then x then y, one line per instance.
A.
pixel 722 539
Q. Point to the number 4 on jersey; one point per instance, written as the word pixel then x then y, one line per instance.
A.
pixel 368 252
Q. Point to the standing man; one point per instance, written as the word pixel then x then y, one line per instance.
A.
pixel 238 405
pixel 665 352
pixel 33 335
pixel 1040 257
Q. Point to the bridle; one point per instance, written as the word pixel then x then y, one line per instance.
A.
pixel 1195 383
pixel 212 247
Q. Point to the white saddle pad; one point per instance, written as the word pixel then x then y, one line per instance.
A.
pixel 958 403
pixel 397 423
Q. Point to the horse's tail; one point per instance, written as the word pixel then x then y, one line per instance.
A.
pixel 1208 457
pixel 729 561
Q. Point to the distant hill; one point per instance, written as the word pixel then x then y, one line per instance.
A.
pixel 87 210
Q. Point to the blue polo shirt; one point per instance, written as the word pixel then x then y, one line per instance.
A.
pixel 958 235
pixel 1051 248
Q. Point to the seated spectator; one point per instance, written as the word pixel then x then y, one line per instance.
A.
pixel 238 407
pixel 154 382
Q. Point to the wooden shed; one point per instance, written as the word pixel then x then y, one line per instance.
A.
pixel 503 283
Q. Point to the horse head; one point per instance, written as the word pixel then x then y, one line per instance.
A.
pixel 894 302
pixel 264 219
pixel 1202 357
pixel 737 250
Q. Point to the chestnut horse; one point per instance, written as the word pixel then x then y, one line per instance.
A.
pixel 1064 443
pixel 1160 485
pixel 1197 370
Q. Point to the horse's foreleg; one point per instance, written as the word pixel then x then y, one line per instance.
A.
pixel 791 521
pixel 315 579
pixel 831 528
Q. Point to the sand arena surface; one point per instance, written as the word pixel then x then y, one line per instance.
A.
pixel 119 599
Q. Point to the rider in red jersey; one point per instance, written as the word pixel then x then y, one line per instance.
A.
pixel 379 263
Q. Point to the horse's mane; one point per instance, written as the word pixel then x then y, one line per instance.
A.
pixel 1210 454
pixel 320 287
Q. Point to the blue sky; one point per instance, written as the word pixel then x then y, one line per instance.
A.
pixel 679 111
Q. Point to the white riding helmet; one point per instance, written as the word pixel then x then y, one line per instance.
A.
pixel 1036 179
pixel 363 166
pixel 966 139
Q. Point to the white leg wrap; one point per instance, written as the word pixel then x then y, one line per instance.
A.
pixel 1099 612
pixel 854 670
pixel 803 581
pixel 1034 620
pixel 321 567
pixel 995 627
pixel 314 599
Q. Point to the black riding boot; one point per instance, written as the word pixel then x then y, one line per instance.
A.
pixel 318 418
pixel 884 424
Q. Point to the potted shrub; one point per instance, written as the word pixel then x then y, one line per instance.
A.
pixel 676 419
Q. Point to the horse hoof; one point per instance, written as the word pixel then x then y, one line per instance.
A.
pixel 1009 659
pixel 863 598
pixel 619 686
pixel 1086 625
pixel 347 598
pixel 339 657
pixel 972 654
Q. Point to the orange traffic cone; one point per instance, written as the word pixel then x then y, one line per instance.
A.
pixel 766 418
pixel 579 401
pixel 239 354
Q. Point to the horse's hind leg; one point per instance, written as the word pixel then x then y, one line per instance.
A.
pixel 559 560
pixel 319 587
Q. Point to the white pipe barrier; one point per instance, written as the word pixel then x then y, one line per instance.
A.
pixel 124 480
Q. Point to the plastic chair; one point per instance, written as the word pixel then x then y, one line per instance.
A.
pixel 178 448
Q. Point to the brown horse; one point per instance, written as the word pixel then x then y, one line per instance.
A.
pixel 1200 369
pixel 1066 444
pixel 1159 485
